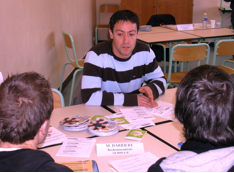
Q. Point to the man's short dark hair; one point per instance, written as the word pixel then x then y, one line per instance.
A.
pixel 26 101
pixel 205 105
pixel 123 15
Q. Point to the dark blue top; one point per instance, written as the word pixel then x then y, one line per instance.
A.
pixel 232 3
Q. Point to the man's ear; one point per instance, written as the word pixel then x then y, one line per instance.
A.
pixel 111 34
pixel 44 127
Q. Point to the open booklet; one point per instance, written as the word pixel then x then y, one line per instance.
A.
pixel 81 166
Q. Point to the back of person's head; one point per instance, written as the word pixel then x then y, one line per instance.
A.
pixel 26 101
pixel 205 105
pixel 123 15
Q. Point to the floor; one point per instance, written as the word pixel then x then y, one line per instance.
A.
pixel 66 91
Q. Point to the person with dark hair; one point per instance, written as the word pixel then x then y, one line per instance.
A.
pixel 204 105
pixel 26 104
pixel 115 70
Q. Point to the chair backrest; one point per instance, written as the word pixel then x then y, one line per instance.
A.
pixel 158 19
pixel 223 48
pixel 107 8
pixel 58 98
pixel 69 44
pixel 187 53
pixel 1 78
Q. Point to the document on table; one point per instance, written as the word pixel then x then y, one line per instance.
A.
pixel 139 163
pixel 138 124
pixel 77 147
pixel 136 113
pixel 164 110
pixel 133 123
pixel 53 137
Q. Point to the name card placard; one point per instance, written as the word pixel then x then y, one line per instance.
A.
pixel 185 27
pixel 116 149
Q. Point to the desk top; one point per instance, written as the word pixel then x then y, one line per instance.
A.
pixel 151 144
pixel 170 132
pixel 225 9
pixel 212 33
pixel 167 37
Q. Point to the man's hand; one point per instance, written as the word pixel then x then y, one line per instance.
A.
pixel 148 100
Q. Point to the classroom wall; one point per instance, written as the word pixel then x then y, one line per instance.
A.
pixel 211 8
pixel 31 38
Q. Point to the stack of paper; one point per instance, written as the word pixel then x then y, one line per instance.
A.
pixel 76 147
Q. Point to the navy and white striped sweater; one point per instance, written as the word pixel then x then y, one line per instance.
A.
pixel 109 80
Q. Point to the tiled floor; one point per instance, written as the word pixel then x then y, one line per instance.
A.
pixel 66 91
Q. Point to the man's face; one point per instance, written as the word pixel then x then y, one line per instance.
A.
pixel 124 38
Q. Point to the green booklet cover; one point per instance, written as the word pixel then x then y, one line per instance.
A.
pixel 135 134
pixel 120 120
pixel 96 117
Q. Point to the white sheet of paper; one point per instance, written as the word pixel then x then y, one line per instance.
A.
pixel 76 147
pixel 164 110
pixel 54 136
pixel 138 124
pixel 116 115
pixel 116 149
pixel 139 163
pixel 136 113
pixel 184 27
pixel 1 78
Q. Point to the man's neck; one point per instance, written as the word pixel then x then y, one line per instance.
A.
pixel 27 145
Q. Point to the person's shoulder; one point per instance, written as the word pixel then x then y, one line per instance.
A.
pixel 140 46
pixel 156 167
pixel 102 47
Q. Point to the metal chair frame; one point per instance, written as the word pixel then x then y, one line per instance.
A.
pixel 99 20
pixel 69 43
pixel 60 96
pixel 174 60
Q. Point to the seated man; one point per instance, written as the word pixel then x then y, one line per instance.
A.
pixel 26 104
pixel 204 105
pixel 115 70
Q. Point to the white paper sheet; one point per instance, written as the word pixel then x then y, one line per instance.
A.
pixel 139 163
pixel 1 78
pixel 138 124
pixel 77 147
pixel 164 110
pixel 54 136
pixel 136 113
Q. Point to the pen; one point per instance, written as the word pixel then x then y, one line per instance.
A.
pixel 181 143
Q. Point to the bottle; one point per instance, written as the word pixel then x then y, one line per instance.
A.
pixel 205 20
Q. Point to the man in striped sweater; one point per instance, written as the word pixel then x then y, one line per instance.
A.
pixel 115 70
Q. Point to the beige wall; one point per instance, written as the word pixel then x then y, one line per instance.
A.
pixel 211 8
pixel 31 38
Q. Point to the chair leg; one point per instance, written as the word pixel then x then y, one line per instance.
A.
pixel 96 35
pixel 61 82
pixel 72 85
pixel 164 59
